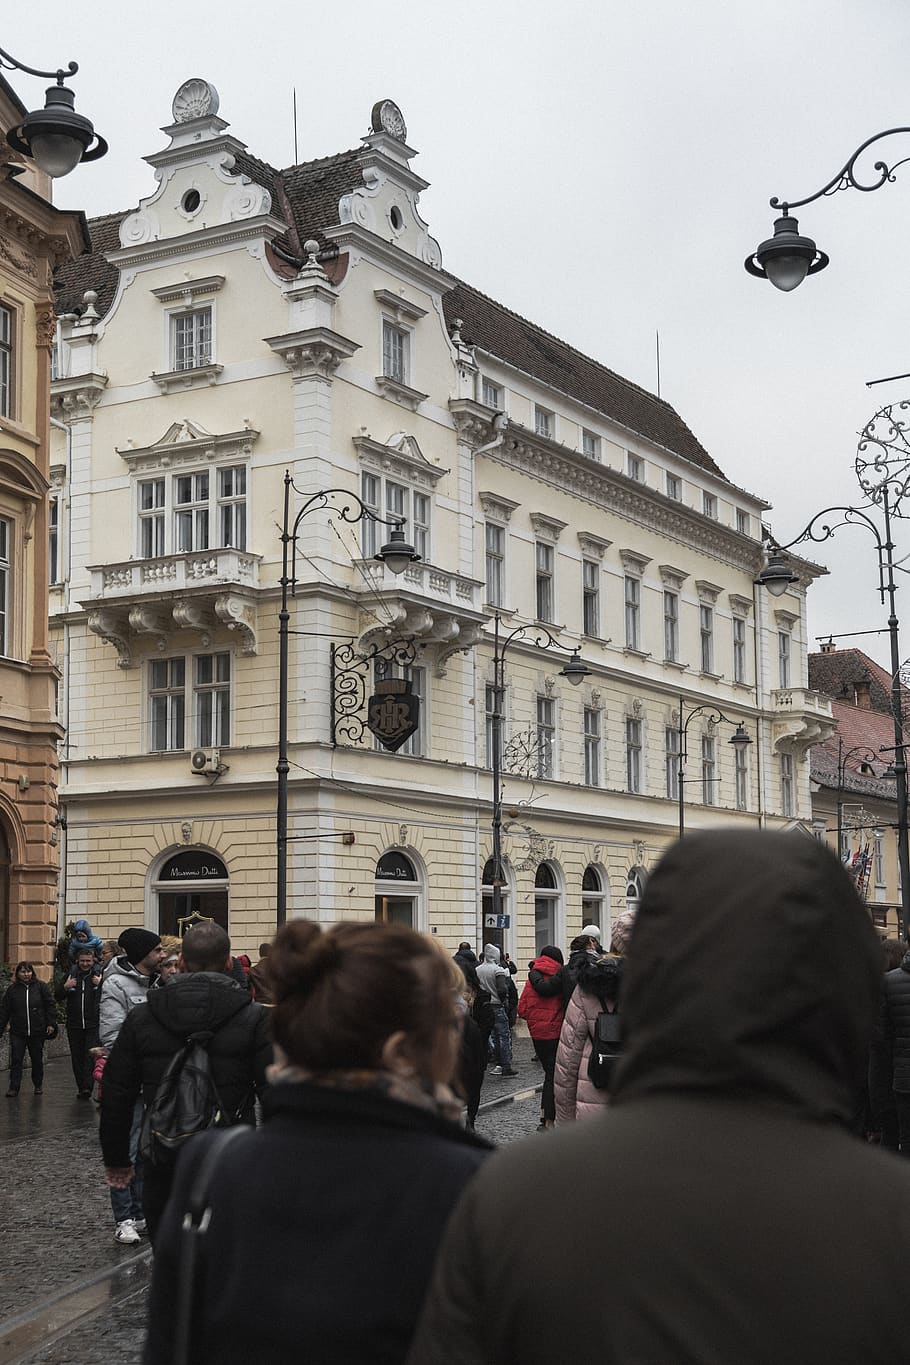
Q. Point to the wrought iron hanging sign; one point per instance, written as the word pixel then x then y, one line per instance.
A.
pixel 393 712
pixel 350 673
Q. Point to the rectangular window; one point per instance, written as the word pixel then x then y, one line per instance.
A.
pixel 495 548
pixel 202 511
pixel 741 772
pixel 232 506
pixel 590 596
pixel 151 518
pixel 739 649
pixel 544 560
pixel 191 512
pixel 632 605
pixel 878 858
pixel 6 538
pixel 709 505
pixel 491 394
pixel 369 529
pixel 786 784
pixel 742 521
pixel 706 622
pixel 635 467
pixel 671 760
pixel 53 540
pixel 6 361
pixel 674 487
pixel 671 627
pixel 395 352
pixel 590 444
pixel 544 421
pixel 191 339
pixel 708 769
pixel 546 736
pixel 167 703
pixel 212 700
pixel 489 707
pixel 392 501
pixel 202 692
pixel 783 657
pixel 420 524
pixel 633 755
pixel 592 747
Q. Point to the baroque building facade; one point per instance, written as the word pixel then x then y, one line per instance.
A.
pixel 35 238
pixel 243 322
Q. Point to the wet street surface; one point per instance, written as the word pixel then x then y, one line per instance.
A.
pixel 69 1294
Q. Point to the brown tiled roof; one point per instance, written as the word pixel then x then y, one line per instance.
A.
pixel 838 671
pixel 314 189
pixel 91 271
pixel 512 338
pixel 868 732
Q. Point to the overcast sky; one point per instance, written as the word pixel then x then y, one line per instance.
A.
pixel 602 168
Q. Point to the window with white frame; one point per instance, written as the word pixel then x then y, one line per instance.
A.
pixel 396 352
pixel 706 631
pixel 415 745
pixel 671 761
pixel 53 540
pixel 590 597
pixel 878 858
pixel 708 769
pixel 593 899
pixel 709 505
pixel 786 784
pixel 191 338
pixel 545 557
pixel 633 754
pixel 546 907
pixel 783 658
pixel 592 747
pixel 6 549
pixel 205 510
pixel 743 521
pixel 741 775
pixel 546 736
pixel 633 612
pixel 674 487
pixel 198 688
pixel 489 711
pixel 590 443
pixel 491 394
pixel 495 558
pixel 635 467
pixel 544 421
pixel 393 501
pixel 7 342
pixel 739 649
pixel 671 627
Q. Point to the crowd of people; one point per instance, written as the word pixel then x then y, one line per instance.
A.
pixel 719 1083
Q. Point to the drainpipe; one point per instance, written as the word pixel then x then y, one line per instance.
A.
pixel 63 845
pixel 500 422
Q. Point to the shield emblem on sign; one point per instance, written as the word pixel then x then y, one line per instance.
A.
pixel 393 712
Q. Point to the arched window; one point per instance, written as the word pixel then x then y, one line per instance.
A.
pixel 398 890
pixel 635 885
pixel 191 885
pixel 546 907
pixel 595 907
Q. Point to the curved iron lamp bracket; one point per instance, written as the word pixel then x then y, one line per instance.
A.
pixel 350 672
pixel 846 178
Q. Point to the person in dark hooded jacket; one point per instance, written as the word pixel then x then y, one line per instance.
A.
pixel 893 1045
pixel 201 998
pixel 728 1213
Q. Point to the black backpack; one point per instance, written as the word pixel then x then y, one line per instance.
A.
pixel 606 1049
pixel 186 1102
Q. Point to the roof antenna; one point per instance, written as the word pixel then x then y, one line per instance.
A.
pixel 657 346
pixel 296 159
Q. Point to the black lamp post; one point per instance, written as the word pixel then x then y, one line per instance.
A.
pixel 575 670
pixel 867 756
pixel 740 739
pixel 397 553
pixel 883 471
pixel 787 258
pixel 55 137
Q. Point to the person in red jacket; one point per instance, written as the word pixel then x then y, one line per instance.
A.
pixel 541 1006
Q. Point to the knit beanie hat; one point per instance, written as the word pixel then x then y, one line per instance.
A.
pixel 137 944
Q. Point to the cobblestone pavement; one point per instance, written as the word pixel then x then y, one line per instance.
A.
pixel 53 1190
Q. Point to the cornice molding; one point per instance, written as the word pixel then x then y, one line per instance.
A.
pixel 315 352
pixel 187 290
pixel 740 605
pixel 241 232
pixel 401 393
pixel 198 377
pixel 75 398
pixel 548 527
pixel 196 446
pixel 633 561
pixel 431 277
pixel 595 547
pixel 671 577
pixel 403 309
pixel 497 506
pixel 707 592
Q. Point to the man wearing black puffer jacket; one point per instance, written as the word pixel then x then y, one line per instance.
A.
pixel 202 997
pixel 895 1020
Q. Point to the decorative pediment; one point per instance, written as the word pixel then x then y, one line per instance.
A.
pixel 401 309
pixel 496 506
pixel 594 547
pixel 186 443
pixel 548 527
pixel 633 562
pixel 672 578
pixel 185 291
pixel 741 606
pixel 401 456
pixel 786 620
pixel 708 593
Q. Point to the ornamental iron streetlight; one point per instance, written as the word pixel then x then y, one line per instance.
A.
pixel 740 739
pixel 55 137
pixel 866 756
pixel 787 258
pixel 575 671
pixel 397 554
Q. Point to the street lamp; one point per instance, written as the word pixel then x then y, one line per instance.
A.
pixel 740 739
pixel 55 137
pixel 575 671
pixel 787 258
pixel 397 553
pixel 867 756
pixel 882 468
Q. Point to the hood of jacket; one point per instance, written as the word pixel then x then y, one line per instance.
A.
pixel 491 953
pixel 546 966
pixel 754 971
pixel 196 1002
pixel 82 926
pixel 601 976
pixel 121 966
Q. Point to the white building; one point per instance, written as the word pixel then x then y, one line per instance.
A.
pixel 244 321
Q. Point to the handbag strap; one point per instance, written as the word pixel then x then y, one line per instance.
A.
pixel 192 1230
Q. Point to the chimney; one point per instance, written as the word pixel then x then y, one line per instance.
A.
pixel 862 694
pixel 828 647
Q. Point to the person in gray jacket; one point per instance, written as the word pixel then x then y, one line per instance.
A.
pixel 126 983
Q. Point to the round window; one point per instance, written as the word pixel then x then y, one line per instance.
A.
pixel 191 201
pixel 395 218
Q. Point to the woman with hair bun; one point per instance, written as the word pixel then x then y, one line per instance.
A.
pixel 349 1184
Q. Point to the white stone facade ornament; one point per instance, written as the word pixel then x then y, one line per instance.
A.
pixel 246 200
pixel 196 98
pixel 139 228
pixel 388 118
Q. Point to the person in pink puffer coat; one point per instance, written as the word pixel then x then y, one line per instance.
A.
pixel 597 989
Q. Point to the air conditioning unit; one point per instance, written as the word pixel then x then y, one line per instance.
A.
pixel 204 761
